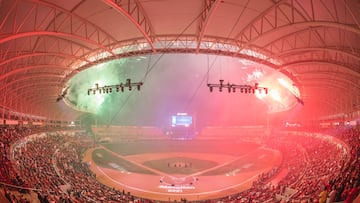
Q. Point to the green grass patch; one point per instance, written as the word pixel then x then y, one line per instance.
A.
pixel 180 165
pixel 107 160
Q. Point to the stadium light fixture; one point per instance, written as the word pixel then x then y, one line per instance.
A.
pixel 233 87
pixel 119 87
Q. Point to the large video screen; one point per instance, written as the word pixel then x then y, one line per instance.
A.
pixel 181 120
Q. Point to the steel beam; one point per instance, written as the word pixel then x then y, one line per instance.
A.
pixel 135 13
pixel 312 49
pixel 29 77
pixel 55 34
pixel 18 70
pixel 55 12
pixel 291 15
pixel 36 54
pixel 210 7
pixel 285 66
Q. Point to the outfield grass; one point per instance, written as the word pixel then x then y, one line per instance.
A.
pixel 107 160
pixel 191 146
pixel 180 165
pixel 244 157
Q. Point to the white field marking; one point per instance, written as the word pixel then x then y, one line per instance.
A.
pixel 247 165
pixel 115 166
pixel 223 164
pixel 189 194
pixel 233 172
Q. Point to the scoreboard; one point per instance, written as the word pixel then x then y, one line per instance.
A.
pixel 181 119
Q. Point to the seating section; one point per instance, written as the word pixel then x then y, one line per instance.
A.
pixel 127 133
pixel 244 133
pixel 49 165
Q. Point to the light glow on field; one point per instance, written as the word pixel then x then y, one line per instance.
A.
pixel 178 83
pixel 275 95
pixel 260 94
pixel 293 89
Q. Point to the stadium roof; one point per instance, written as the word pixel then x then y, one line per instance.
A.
pixel 43 43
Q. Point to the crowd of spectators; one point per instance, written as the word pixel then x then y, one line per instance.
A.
pixel 347 184
pixel 312 166
pixel 33 162
pixel 15 185
pixel 8 175
pixel 52 167
pixel 7 136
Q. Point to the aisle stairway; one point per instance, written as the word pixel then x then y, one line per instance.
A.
pixel 2 196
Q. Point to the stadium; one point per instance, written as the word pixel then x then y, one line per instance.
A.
pixel 204 101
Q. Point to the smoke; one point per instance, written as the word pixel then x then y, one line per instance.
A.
pixel 173 83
